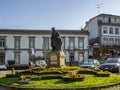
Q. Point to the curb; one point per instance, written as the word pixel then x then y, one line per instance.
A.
pixel 71 88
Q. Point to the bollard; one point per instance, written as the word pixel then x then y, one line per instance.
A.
pixel 119 69
pixel 13 70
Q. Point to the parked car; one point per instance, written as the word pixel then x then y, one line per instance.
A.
pixel 3 67
pixel 111 64
pixel 40 63
pixel 90 63
pixel 102 60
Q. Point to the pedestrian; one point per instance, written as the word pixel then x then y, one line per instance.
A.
pixel 30 64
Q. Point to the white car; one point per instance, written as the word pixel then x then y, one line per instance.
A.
pixel 3 67
pixel 90 63
pixel 40 63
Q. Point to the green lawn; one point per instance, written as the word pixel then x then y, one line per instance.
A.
pixel 36 74
pixel 91 80
pixel 113 88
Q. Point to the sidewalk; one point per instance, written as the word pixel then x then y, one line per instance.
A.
pixel 4 72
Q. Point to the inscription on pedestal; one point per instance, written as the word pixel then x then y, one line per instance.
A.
pixel 53 60
pixel 56 59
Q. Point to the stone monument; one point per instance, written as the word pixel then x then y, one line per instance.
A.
pixel 56 58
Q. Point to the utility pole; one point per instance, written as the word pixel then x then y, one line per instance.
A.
pixel 98 7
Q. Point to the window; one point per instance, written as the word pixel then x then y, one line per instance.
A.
pixel 80 43
pixel 2 58
pixel 115 19
pixel 111 41
pixel 17 43
pixel 31 42
pixel 63 42
pixel 111 30
pixel 117 42
pixel 71 43
pixel 71 58
pixel 109 20
pixel 103 18
pixel 17 58
pixel 105 41
pixel 105 30
pixel 2 42
pixel 116 30
pixel 46 43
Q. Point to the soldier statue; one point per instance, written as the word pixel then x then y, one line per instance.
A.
pixel 56 41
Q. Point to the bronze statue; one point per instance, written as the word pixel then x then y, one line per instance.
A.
pixel 56 41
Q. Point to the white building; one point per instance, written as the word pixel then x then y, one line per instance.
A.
pixel 16 44
pixel 104 34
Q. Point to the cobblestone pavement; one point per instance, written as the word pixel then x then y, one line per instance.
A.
pixel 3 73
pixel 3 88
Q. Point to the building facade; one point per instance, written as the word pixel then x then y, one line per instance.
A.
pixel 104 35
pixel 19 45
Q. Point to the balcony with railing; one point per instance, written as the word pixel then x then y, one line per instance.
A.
pixel 108 23
pixel 111 45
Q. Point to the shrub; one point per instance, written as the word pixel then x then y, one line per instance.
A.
pixel 27 71
pixel 50 72
pixel 10 75
pixel 11 62
pixel 71 67
pixel 32 77
pixel 71 79
pixel 53 69
pixel 18 67
pixel 86 71
pixel 103 74
pixel 98 70
pixel 72 76
pixel 51 77
pixel 65 71
pixel 39 68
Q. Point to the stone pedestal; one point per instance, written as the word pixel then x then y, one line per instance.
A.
pixel 56 59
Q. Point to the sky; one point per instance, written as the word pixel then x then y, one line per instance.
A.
pixel 45 14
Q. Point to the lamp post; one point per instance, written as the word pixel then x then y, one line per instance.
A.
pixel 33 53
pixel 45 47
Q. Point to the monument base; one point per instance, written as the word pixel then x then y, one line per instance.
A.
pixel 56 59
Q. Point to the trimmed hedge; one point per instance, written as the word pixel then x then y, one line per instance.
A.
pixel 86 72
pixel 10 75
pixel 65 72
pixel 102 74
pixel 72 79
pixel 11 62
pixel 50 72
pixel 18 67
pixel 39 68
pixel 32 77
pixel 24 72
pixel 51 77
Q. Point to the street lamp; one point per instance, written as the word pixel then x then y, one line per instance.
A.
pixel 45 47
pixel 33 53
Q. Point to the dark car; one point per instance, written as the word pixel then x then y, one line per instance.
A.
pixel 91 63
pixel 111 64
pixel 102 61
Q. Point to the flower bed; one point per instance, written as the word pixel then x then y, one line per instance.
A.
pixel 59 80
pixel 74 77
pixel 103 74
